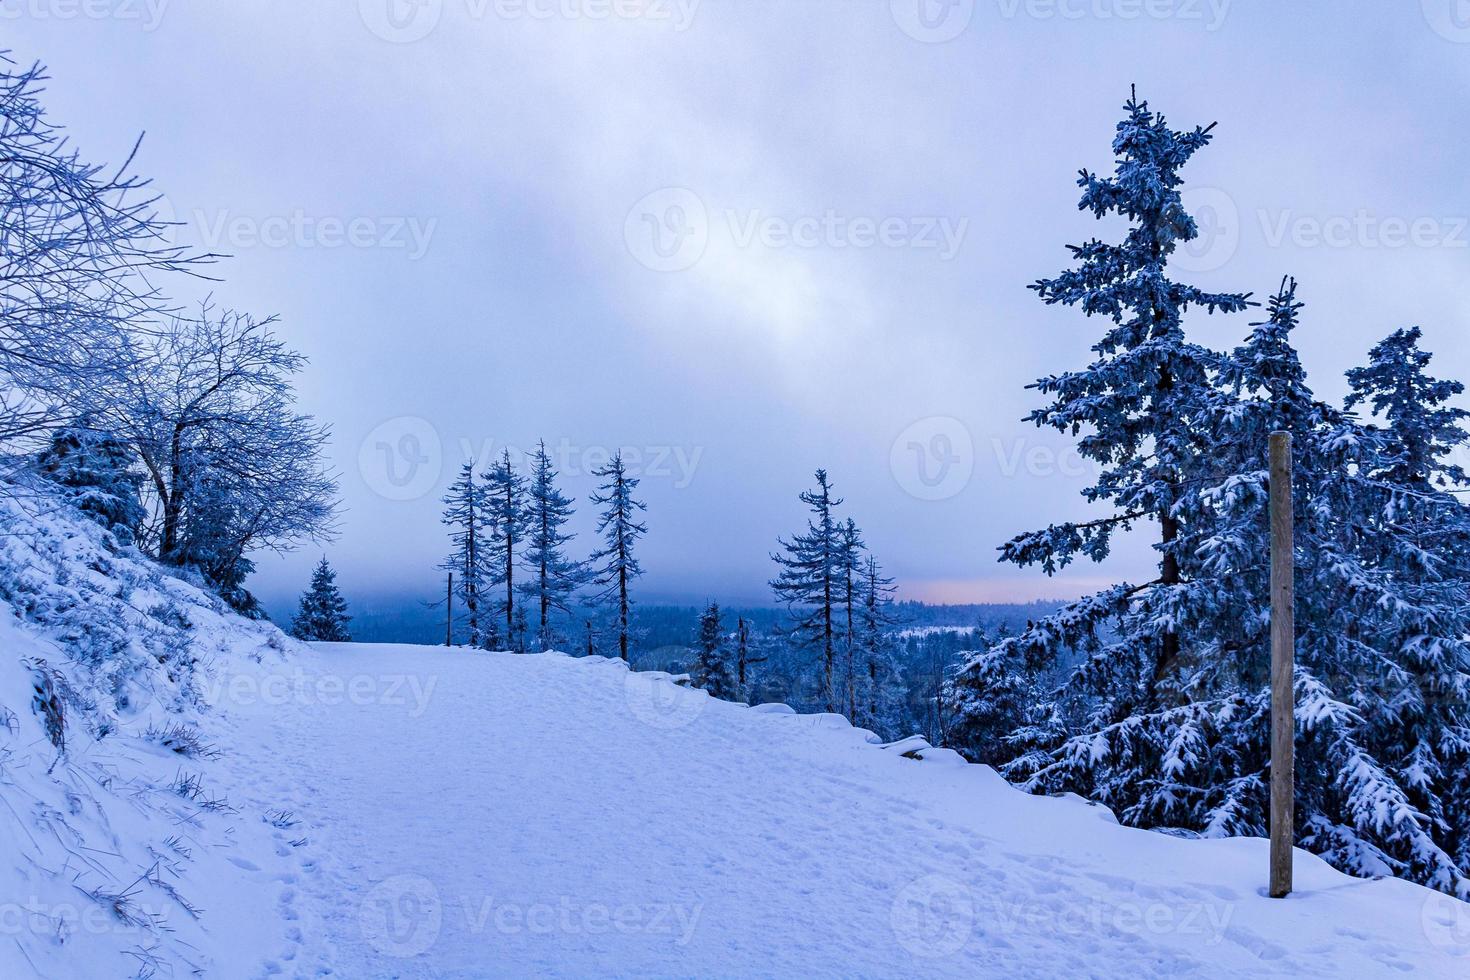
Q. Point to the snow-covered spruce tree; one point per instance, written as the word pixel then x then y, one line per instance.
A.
pixel 505 493
pixel 1381 676
pixel 711 670
pixel 553 578
pixel 95 470
pixel 323 612
pixel 878 702
pixel 1425 430
pixel 744 660
pixel 807 584
pixel 615 564
pixel 466 512
pixel 1413 620
pixel 1140 411
pixel 849 597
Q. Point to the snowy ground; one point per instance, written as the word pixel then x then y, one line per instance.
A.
pixel 476 815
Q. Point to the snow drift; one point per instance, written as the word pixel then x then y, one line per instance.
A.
pixel 185 791
pixel 122 846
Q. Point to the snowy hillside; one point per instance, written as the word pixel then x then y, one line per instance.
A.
pixel 499 815
pixel 126 847
pixel 233 803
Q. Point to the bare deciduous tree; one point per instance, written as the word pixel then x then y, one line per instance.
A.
pixel 232 465
pixel 80 247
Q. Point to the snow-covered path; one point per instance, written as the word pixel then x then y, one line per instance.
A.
pixel 478 815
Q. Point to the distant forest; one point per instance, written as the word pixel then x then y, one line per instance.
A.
pixel 403 619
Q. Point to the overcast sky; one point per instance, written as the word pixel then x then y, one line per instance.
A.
pixel 747 239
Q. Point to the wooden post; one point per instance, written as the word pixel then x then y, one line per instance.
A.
pixel 1283 658
pixel 449 612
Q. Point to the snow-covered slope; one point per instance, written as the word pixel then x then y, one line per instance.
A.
pixel 477 814
pixel 232 803
pixel 124 848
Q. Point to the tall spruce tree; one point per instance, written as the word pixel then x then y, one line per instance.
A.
pixel 505 495
pixel 711 670
pixel 808 584
pixel 322 614
pixel 466 513
pixel 553 578
pixel 878 695
pixel 1417 616
pixel 1139 411
pixel 849 596
pixel 1381 673
pixel 1381 676
pixel 616 565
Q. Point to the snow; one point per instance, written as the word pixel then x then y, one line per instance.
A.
pixel 398 811
pixel 106 868
pixel 474 814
